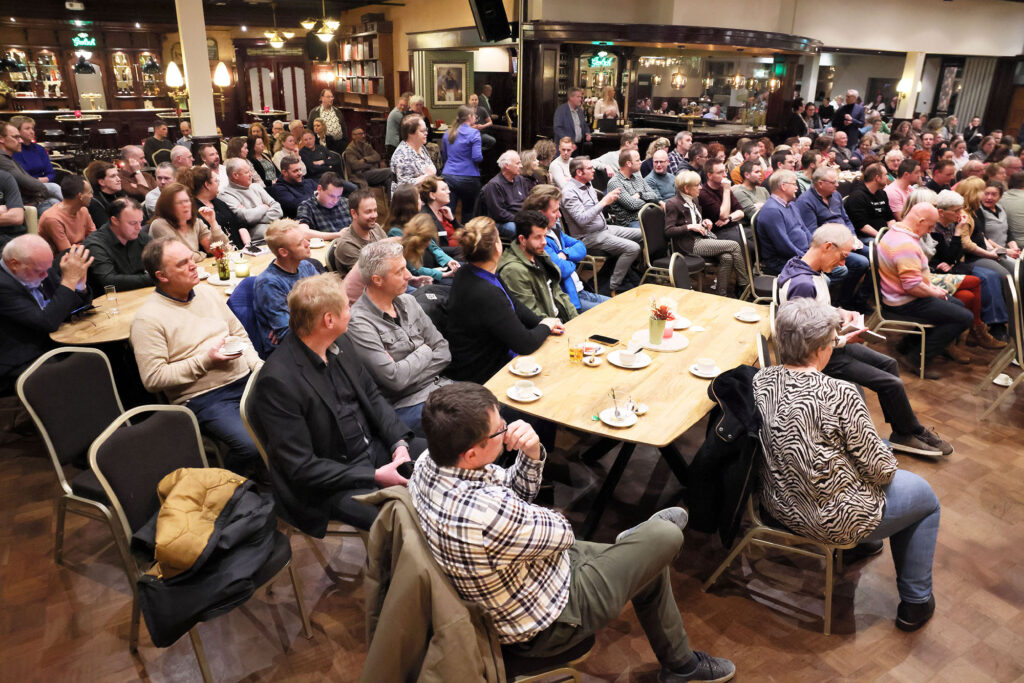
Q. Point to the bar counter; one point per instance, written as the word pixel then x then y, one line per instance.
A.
pixel 130 126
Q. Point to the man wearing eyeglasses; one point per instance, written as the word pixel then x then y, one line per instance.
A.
pixel 820 205
pixel 852 361
pixel 545 591
pixel 781 232
pixel 659 179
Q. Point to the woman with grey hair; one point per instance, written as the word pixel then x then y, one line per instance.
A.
pixel 826 473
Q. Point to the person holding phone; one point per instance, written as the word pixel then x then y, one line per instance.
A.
pixel 804 277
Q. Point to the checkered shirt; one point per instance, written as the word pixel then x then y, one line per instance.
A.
pixel 498 548
pixel 325 220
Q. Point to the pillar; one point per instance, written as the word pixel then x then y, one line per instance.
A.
pixel 810 80
pixel 196 64
pixel 913 68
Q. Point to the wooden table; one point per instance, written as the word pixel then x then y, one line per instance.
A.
pixel 97 327
pixel 574 393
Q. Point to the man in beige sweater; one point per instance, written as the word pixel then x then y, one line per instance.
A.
pixel 180 336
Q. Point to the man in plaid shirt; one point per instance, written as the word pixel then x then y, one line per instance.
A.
pixel 545 590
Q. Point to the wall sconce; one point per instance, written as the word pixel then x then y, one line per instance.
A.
pixel 175 81
pixel 708 82
pixel 656 79
pixel 221 79
pixel 902 89
pixel 678 81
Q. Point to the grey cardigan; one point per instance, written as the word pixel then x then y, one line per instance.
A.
pixel 405 359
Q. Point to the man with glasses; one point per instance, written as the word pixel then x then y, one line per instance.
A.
pixel 781 233
pixel 584 218
pixel 329 433
pixel 695 160
pixel 659 179
pixel 545 591
pixel 852 361
pixel 822 204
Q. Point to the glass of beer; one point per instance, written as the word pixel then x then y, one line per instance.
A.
pixel 575 349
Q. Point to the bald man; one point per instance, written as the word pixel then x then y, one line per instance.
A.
pixel 907 291
pixel 36 296
pixel 181 157
pixel 134 181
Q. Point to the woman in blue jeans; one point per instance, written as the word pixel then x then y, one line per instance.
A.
pixel 461 148
pixel 827 474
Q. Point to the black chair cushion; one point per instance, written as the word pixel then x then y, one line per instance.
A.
pixel 518 665
pixel 763 285
pixel 279 557
pixel 695 263
pixel 86 485
pixel 661 262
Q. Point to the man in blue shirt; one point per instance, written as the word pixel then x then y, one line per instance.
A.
pixel 290 246
pixel 33 157
pixel 820 205
pixel 780 232
pixel 291 189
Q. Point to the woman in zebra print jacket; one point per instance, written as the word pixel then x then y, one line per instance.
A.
pixel 827 474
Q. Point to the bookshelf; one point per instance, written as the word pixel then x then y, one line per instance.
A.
pixel 366 62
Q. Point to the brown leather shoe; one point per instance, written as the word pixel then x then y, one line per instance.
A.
pixel 980 336
pixel 958 353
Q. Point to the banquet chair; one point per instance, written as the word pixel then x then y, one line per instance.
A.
pixel 656 252
pixel 129 461
pixel 1014 350
pixel 760 287
pixel 70 395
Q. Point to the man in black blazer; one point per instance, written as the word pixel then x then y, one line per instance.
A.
pixel 329 433
pixel 36 296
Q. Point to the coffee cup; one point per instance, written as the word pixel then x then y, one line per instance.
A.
pixel 748 312
pixel 706 365
pixel 627 358
pixel 525 364
pixel 231 346
pixel 524 388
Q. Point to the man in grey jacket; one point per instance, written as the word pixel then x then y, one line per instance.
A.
pixel 584 218
pixel 250 202
pixel 396 341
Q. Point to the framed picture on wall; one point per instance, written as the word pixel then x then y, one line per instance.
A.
pixel 449 85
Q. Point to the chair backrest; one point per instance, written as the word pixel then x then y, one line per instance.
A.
pixel 70 394
pixel 756 245
pixel 245 409
pixel 876 290
pixel 241 304
pixel 678 271
pixel 764 355
pixel 31 220
pixel 161 155
pixel 1012 295
pixel 652 228
pixel 129 460
pixel 600 181
pixel 746 261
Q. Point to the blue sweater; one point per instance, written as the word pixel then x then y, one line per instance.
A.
pixel 36 162
pixel 290 195
pixel 814 213
pixel 781 234
pixel 270 300
pixel 575 251
pixel 799 281
pixel 463 156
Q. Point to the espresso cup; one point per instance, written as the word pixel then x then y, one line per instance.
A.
pixel 748 312
pixel 232 345
pixel 525 364
pixel 627 358
pixel 524 388
pixel 706 365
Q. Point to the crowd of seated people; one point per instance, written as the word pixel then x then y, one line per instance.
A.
pixel 357 373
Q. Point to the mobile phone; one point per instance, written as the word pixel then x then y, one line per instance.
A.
pixel 601 339
pixel 406 468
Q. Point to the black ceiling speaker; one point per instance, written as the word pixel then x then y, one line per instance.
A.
pixel 491 20
pixel 316 49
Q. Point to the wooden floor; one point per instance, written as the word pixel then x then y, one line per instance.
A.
pixel 70 623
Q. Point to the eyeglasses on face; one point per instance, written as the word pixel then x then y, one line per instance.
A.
pixel 504 428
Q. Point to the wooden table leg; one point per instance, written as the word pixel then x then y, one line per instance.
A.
pixel 607 488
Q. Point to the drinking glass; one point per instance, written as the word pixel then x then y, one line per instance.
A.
pixel 575 349
pixel 111 293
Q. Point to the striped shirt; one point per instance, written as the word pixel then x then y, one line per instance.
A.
pixel 901 265
pixel 499 549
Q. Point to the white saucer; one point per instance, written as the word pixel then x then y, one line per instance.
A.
pixel 316 243
pixel 598 349
pixel 537 393
pixel 676 342
pixel 229 290
pixel 640 408
pixel 698 373
pixel 203 274
pixel 681 323
pixel 519 373
pixel 625 419
pixel 744 319
pixel 240 348
pixel 591 361
pixel 222 283
pixel 642 360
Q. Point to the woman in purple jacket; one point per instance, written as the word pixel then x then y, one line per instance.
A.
pixel 462 151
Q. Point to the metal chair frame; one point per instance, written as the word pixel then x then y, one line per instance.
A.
pixel 650 270
pixel 68 501
pixel 123 530
pixel 878 322
pixel 750 293
pixel 1014 350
